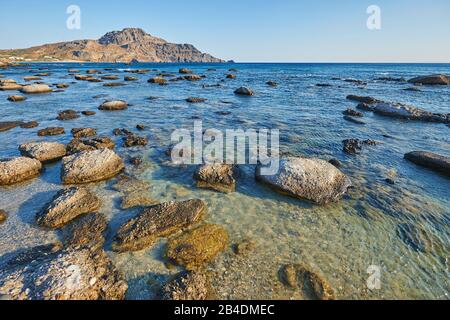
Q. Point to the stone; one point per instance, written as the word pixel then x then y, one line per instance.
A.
pixel 185 71
pixel 8 125
pixel 195 100
pixel 414 237
pixel 218 177
pixel 133 140
pixel 91 166
pixel 67 205
pixel 157 221
pixel 113 105
pixel 18 169
pixel 243 91
pixel 310 284
pixel 244 247
pixel 15 98
pixel 35 88
pixel 87 230
pixel 367 100
pixel 354 120
pixel 140 127
pixel 192 77
pixel 157 80
pixel 128 78
pixel 79 145
pixel 10 86
pixel 272 83
pixel 313 179
pixel 29 125
pixel 68 115
pixel 353 146
pixel 32 78
pixel 195 248
pixel 187 286
pixel 352 113
pixel 402 111
pixel 43 151
pixel 46 274
pixel 109 77
pixel 436 79
pixel 135 199
pixel 231 76
pixel 430 160
pixel 51 131
pixel 3 216
pixel 62 85
pixel 83 132
pixel 88 113
pixel 114 84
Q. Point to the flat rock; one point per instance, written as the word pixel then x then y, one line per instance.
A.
pixel 368 100
pixel 218 177
pixel 157 80
pixel 430 160
pixel 311 179
pixel 15 98
pixel 187 286
pixel 113 105
pixel 91 166
pixel 352 113
pixel 43 151
pixel 10 86
pixel 66 206
pixel 158 221
pixel 87 230
pixel 91 144
pixel 185 71
pixel 35 88
pixel 68 115
pixel 19 169
pixel 52 131
pixel 29 125
pixel 398 110
pixel 8 125
pixel 436 79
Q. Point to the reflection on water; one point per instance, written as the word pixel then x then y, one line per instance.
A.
pixel 340 241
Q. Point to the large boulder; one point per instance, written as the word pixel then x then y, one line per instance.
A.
pixel 218 177
pixel 398 110
pixel 43 151
pixel 113 105
pixel 435 79
pixel 66 206
pixel 36 88
pixel 158 221
pixel 187 286
pixel 19 169
pixel 44 273
pixel 430 160
pixel 91 166
pixel 311 179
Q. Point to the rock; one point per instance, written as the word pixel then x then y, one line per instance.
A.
pixel 192 77
pixel 391 79
pixel 140 127
pixel 430 160
pixel 77 145
pixel 10 86
pixel 133 140
pixel 136 199
pixel 8 125
pixel 88 113
pixel 87 230
pixel 353 120
pixel 231 76
pixel 32 78
pixel 110 77
pixel 51 131
pixel 157 80
pixel 114 84
pixel 128 78
pixel 68 115
pixel 311 179
pixel 196 100
pixel 3 216
pixel 83 132
pixel 272 83
pixel 19 169
pixel 16 98
pixel 185 71
pixel 136 161
pixel 367 100
pixel 113 105
pixel 244 247
pixel 136 192
pixel 414 89
pixel 365 107
pixel 389 181
pixel 414 237
pixel 218 177
pixel 62 85
pixel 335 162
pixel 353 146
pixel 43 151
pixel 244 91
pixel 70 274
pixel 197 247
pixel 323 85
pixel 67 205
pixel 358 82
pixel 187 286
pixel 158 221
pixel 352 113
pixel 5 81
pixel 36 88
pixel 29 125
pixel 310 284
pixel 398 110
pixel 436 79
pixel 92 71
pixel 81 77
pixel 91 166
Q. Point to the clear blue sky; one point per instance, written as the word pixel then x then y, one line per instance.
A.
pixel 249 30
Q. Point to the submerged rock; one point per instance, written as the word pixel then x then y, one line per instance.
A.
pixel 272 83
pixel 136 192
pixel 187 286
pixel 3 216
pixel 133 140
pixel 66 206
pixel 87 230
pixel 436 79
pixel 353 146
pixel 8 125
pixel 91 166
pixel 43 151
pixel 197 247
pixel 158 221
pixel 353 120
pixel 218 177
pixel 70 274
pixel 68 115
pixel 113 105
pixel 36 88
pixel 19 169
pixel 195 100
pixel 52 131
pixel 430 160
pixel 243 91
pixel 315 180
pixel 244 247
pixel 352 113
pixel 231 76
pixel 15 98
pixel 79 145
pixel 310 284
pixel 414 237
pixel 368 100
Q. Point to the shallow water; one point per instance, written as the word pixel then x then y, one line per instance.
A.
pixel 340 241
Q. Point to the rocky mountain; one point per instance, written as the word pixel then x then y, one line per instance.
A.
pixel 131 44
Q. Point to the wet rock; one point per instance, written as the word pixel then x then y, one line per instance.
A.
pixel 19 169
pixel 128 78
pixel 310 284
pixel 91 166
pixel 15 98
pixel 430 160
pixel 414 89
pixel 10 86
pixel 197 247
pixel 195 100
pixel 391 79
pixel 353 146
pixel 158 221
pixel 29 125
pixel 81 77
pixel 136 192
pixel 353 120
pixel 136 161
pixel 272 83
pixel 192 77
pixel 79 145
pixel 36 88
pixel 43 151
pixel 83 132
pixel 8 125
pixel 114 84
pixel 323 85
pixel 32 78
pixel 73 71
pixel 389 181
pixel 231 76
pixel 243 91
pixel 436 79
pixel 137 199
pixel 335 162
pixel 113 105
pixel 51 131
pixel 3 216
pixel 187 286
pixel 185 71
pixel 218 177
pixel 365 107
pixel 88 113
pixel 244 247
pixel 315 180
pixel 110 77
pixel 414 237
pixel 69 274
pixel 367 100
pixel 398 110
pixel 68 115
pixel 67 205
pixel 62 85
pixel 356 81
pixel 133 140
pixel 352 113
pixel 92 71
pixel 140 127
pixel 157 80
pixel 87 230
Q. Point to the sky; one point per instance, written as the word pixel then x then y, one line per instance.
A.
pixel 249 30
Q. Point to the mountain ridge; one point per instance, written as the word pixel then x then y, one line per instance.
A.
pixel 127 45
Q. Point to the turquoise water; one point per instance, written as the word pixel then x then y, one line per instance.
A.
pixel 340 240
